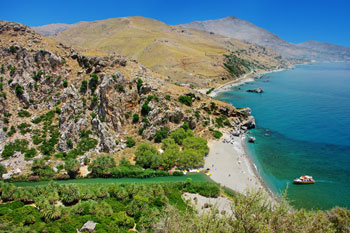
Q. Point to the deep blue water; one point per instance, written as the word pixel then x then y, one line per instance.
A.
pixel 303 128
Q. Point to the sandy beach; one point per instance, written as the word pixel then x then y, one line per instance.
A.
pixel 231 166
pixel 249 77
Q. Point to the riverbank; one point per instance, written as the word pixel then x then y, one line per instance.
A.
pixel 231 166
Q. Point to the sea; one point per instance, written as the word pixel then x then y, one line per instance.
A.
pixel 303 128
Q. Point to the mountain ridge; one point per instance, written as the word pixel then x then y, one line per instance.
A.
pixel 244 30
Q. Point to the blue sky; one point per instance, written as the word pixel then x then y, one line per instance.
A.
pixel 293 20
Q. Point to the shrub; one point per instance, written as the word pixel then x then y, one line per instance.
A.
pixel 119 87
pixel 65 83
pixel 145 109
pixel 167 97
pixel 217 134
pixel 187 100
pixel 23 113
pixel 130 142
pixel 101 166
pixel 93 82
pixel 17 145
pixel 139 84
pixel 84 85
pixel 6 120
pixel 93 115
pixel 72 167
pixel 135 118
pixel 210 90
pixel 3 170
pixel 19 90
pixel 147 156
pixel 30 153
pixel 161 134
pixel 12 131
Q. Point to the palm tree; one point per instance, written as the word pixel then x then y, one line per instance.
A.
pixel 7 191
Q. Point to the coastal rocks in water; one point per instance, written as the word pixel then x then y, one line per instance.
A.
pixel 251 139
pixel 249 123
pixel 258 90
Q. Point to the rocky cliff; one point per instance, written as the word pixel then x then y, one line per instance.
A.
pixel 56 102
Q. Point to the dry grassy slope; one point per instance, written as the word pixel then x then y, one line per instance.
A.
pixel 186 55
pixel 34 52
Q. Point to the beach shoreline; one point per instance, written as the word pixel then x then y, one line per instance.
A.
pixel 245 78
pixel 231 166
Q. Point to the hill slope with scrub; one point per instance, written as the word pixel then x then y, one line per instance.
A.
pixel 57 103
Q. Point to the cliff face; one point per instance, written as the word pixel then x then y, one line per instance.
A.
pixel 56 102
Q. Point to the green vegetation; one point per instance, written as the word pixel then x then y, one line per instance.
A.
pixel 11 148
pixel 217 134
pixel 192 154
pixel 186 100
pixel 154 207
pixel 12 131
pixel 24 128
pixel 72 167
pixel 65 83
pixel 167 97
pixel 23 113
pixel 115 207
pixel 139 84
pixel 93 82
pixel 84 86
pixel 161 134
pixel 135 118
pixel 3 170
pixel 19 90
pixel 235 65
pixel 130 142
pixel 30 153
pixel 210 90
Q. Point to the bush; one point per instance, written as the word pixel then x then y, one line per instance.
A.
pixel 84 85
pixel 186 100
pixel 217 134
pixel 93 82
pixel 72 167
pixel 135 118
pixel 147 156
pixel 210 90
pixel 19 90
pixel 23 113
pixel 178 173
pixel 65 83
pixel 3 170
pixel 130 142
pixel 145 109
pixel 30 153
pixel 139 84
pixel 161 134
pixel 101 167
pixel 167 97
pixel 204 188
pixel 17 145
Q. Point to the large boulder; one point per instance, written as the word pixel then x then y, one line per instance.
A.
pixel 257 90
pixel 89 226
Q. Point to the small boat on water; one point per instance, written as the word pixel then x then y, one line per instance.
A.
pixel 304 180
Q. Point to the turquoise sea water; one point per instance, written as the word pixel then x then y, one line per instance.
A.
pixel 303 128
